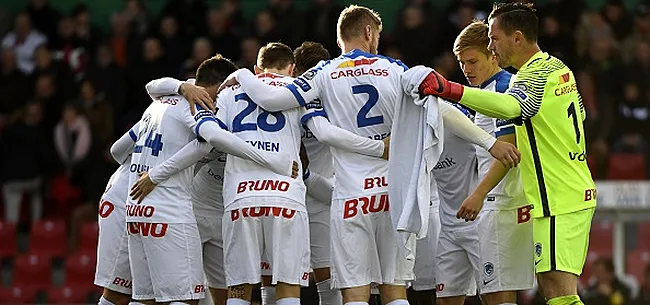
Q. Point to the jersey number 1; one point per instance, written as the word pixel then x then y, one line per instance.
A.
pixel 373 96
pixel 571 113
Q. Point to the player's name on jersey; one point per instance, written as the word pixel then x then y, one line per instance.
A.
pixel 623 194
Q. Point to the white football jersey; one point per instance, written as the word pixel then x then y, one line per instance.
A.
pixel 273 132
pixel 509 193
pixel 358 91
pixel 166 126
pixel 117 188
pixel 207 186
pixel 319 154
pixel 456 175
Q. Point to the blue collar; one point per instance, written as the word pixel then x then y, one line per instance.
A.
pixel 494 77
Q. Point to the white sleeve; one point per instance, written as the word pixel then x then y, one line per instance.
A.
pixel 189 155
pixel 318 186
pixel 464 128
pixel 270 98
pixel 231 144
pixel 340 138
pixel 164 86
pixel 123 147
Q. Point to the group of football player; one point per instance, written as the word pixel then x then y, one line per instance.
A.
pixel 285 177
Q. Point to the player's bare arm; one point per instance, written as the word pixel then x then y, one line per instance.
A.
pixel 471 207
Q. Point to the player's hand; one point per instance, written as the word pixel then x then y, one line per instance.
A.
pixel 142 187
pixel 506 153
pixel 437 85
pixel 196 95
pixel 231 80
pixel 470 208
pixel 386 148
pixel 295 170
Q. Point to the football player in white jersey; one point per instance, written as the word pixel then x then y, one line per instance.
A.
pixel 320 162
pixel 505 229
pixel 162 227
pixel 265 214
pixel 456 263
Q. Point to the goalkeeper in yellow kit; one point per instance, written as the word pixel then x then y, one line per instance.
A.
pixel 543 96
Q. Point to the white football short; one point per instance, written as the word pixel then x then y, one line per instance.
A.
pixel 212 241
pixel 165 262
pixel 364 244
pixel 319 232
pixel 283 240
pixel 113 270
pixel 425 254
pixel 506 251
pixel 457 262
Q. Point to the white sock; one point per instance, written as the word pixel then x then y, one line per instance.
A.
pixel 237 302
pixel 356 303
pixel 399 302
pixel 268 295
pixel 327 295
pixel 289 301
pixel 103 301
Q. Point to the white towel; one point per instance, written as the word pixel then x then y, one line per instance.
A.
pixel 415 147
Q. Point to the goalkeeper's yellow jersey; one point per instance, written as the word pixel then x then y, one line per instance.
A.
pixel 550 136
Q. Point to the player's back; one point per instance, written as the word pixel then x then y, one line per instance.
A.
pixel 456 177
pixel 358 91
pixel 163 132
pixel 207 185
pixel 273 132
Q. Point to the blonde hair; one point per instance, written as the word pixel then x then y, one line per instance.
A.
pixel 354 18
pixel 473 36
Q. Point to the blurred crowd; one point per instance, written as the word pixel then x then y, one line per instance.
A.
pixel 69 88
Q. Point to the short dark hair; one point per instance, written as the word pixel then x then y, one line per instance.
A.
pixel 275 55
pixel 308 54
pixel 214 70
pixel 515 16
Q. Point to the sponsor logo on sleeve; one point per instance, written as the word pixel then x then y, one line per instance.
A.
pixel 519 90
pixel 309 75
pixel 202 114
pixel 302 84
pixel 315 104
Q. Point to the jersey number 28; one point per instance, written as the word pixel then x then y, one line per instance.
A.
pixel 262 118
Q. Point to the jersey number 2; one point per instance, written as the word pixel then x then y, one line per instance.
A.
pixel 262 118
pixel 571 113
pixel 373 96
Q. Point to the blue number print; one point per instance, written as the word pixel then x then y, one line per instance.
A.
pixel 153 142
pixel 373 96
pixel 262 118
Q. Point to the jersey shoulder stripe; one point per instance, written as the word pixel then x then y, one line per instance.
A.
pixel 357 53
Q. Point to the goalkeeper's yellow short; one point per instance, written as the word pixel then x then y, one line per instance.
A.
pixel 562 241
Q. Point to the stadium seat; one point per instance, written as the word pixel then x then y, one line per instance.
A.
pixel 636 262
pixel 67 295
pixel 89 234
pixel 80 269
pixel 601 237
pixel 48 238
pixel 32 270
pixel 17 295
pixel 626 166
pixel 8 237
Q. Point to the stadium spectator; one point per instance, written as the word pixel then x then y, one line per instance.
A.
pixel 13 83
pixel 46 93
pixel 454 22
pixel 411 37
pixel 288 22
pixel 108 77
pixel 640 31
pixel 617 17
pixel 201 50
pixel 222 38
pixel 265 29
pixel 87 34
pixel 606 289
pixel 173 41
pixel 150 66
pixel 632 119
pixel 43 16
pixel 73 140
pixel 189 13
pixel 248 58
pixel 68 48
pixel 234 16
pixel 138 16
pixel 592 29
pixel 124 45
pixel 554 41
pixel 45 64
pixel 24 40
pixel 23 162
pixel 320 22
pixel 99 113
pixel 644 293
